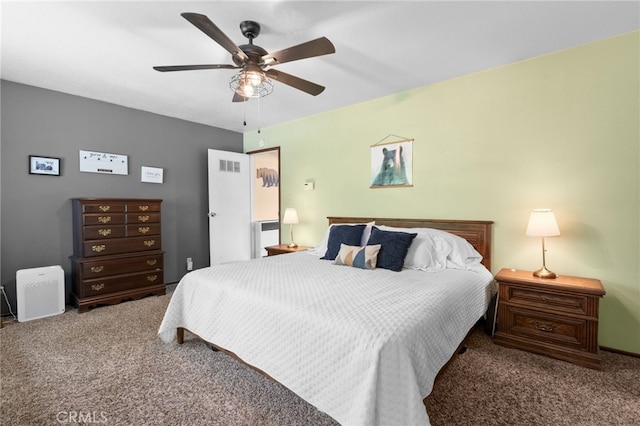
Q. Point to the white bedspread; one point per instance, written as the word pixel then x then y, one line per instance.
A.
pixel 363 346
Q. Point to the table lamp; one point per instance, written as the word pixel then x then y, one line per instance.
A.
pixel 542 223
pixel 290 218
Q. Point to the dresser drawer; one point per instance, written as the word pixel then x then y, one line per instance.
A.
pixel 103 207
pixel 103 231
pixel 101 268
pixel 539 326
pixel 103 219
pixel 120 245
pixel 143 229
pixel 557 301
pixel 121 283
pixel 143 218
pixel 143 206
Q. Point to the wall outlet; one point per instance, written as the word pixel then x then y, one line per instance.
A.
pixel 189 264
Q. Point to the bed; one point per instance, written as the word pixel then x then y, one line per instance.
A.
pixel 362 345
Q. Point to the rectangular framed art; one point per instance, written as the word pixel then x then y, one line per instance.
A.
pixel 151 174
pixel 39 165
pixel 104 162
pixel 392 164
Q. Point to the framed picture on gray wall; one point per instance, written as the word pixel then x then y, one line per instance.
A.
pixel 39 165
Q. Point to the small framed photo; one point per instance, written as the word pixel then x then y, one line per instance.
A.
pixel 39 165
pixel 151 174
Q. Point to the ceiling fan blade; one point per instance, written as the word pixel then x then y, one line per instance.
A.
pixel 205 25
pixel 295 82
pixel 318 47
pixel 193 67
pixel 238 98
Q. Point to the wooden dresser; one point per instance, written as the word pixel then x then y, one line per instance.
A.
pixel 555 317
pixel 117 250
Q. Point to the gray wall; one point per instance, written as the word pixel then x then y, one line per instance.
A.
pixel 36 211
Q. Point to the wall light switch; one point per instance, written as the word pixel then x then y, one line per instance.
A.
pixel 309 185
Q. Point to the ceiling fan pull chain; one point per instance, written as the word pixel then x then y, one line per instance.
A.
pixel 258 115
pixel 244 114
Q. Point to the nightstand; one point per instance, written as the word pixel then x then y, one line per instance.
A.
pixel 555 317
pixel 283 249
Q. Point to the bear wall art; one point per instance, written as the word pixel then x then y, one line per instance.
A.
pixel 392 164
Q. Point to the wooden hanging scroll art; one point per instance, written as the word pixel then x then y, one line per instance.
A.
pixel 392 164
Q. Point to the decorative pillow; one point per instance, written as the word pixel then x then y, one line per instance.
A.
pixel 359 257
pixel 395 246
pixel 350 235
pixel 321 248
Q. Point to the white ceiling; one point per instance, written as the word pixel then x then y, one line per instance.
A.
pixel 106 50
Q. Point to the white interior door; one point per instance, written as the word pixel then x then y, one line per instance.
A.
pixel 229 183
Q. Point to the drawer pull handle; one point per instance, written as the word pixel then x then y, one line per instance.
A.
pixel 143 208
pixel 143 218
pixel 98 248
pixel 544 327
pixel 104 208
pixel 152 278
pixel 152 262
pixel 97 269
pixel 97 287
pixel 104 219
pixel 143 229
pixel 149 243
pixel 104 232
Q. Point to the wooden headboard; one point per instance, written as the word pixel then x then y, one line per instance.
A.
pixel 477 232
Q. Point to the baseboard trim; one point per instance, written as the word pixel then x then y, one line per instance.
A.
pixel 618 351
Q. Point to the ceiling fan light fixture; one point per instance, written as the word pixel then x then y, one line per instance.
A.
pixel 251 83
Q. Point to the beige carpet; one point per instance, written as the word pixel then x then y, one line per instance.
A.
pixel 108 367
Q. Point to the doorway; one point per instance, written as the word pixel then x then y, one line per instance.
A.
pixel 244 204
pixel 265 199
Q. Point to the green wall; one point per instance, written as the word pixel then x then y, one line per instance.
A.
pixel 558 131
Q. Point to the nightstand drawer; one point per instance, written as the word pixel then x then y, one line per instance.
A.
pixel 544 327
pixel 571 303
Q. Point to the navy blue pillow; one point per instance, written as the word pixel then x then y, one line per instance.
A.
pixel 350 235
pixel 395 246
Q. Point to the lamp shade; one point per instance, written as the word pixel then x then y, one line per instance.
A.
pixel 290 216
pixel 542 223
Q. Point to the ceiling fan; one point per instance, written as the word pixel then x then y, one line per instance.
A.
pixel 253 81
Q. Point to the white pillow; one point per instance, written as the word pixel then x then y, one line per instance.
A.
pixel 322 247
pixel 427 254
pixel 458 252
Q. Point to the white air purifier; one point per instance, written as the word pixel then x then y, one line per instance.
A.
pixel 39 292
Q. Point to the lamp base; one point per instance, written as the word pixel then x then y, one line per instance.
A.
pixel 544 273
pixel 292 245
